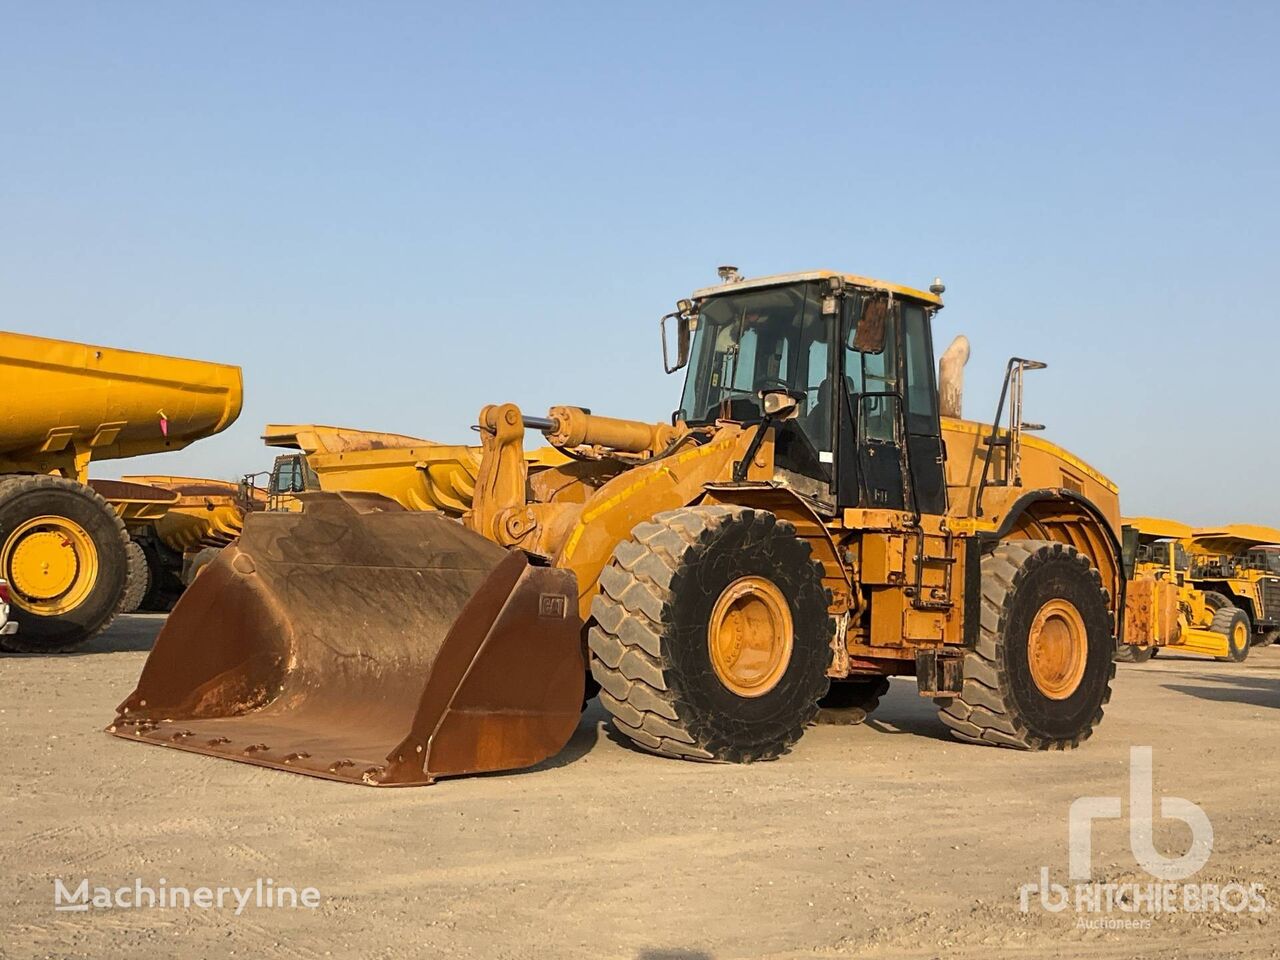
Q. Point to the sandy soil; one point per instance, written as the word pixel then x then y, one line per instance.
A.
pixel 882 840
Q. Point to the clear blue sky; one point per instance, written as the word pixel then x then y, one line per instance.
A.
pixel 390 215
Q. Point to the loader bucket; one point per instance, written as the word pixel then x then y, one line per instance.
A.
pixel 360 641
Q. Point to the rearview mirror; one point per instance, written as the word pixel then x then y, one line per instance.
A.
pixel 779 404
pixel 868 334
pixel 684 323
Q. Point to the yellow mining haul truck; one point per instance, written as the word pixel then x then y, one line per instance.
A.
pixel 807 525
pixel 1240 561
pixel 63 545
pixel 1188 618
pixel 167 550
pixel 418 474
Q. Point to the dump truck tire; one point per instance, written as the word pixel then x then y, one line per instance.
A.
pixel 139 579
pixel 678 600
pixel 1041 671
pixel 1216 601
pixel 163 585
pixel 1129 653
pixel 850 702
pixel 1267 639
pixel 62 549
pixel 1233 623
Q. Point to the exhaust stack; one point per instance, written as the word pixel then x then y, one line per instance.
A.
pixel 951 377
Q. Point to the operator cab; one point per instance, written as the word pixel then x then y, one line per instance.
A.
pixel 1266 559
pixel 856 356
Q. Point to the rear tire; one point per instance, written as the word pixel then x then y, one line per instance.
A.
pixel 1041 671
pixel 1233 623
pixel 850 702
pixel 139 579
pixel 1267 639
pixel 668 656
pixel 59 600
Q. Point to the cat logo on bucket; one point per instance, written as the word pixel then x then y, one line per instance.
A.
pixel 553 606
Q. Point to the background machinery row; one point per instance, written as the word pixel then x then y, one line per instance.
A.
pixel 815 518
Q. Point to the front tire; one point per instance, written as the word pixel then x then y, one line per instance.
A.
pixel 1233 623
pixel 1131 653
pixel 62 549
pixel 1041 671
pixel 712 637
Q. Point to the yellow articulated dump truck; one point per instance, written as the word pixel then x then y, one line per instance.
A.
pixel 418 474
pixel 63 538
pixel 1241 562
pixel 806 525
pixel 1187 617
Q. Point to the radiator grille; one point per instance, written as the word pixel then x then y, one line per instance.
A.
pixel 1271 599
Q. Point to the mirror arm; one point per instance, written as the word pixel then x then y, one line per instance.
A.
pixel 742 466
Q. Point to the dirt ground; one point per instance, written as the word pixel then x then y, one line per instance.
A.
pixel 881 840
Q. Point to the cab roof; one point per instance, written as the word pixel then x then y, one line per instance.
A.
pixel 1159 528
pixel 778 279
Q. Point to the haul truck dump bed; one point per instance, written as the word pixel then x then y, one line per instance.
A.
pixel 63 545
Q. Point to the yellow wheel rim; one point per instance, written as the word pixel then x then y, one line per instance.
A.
pixel 750 636
pixel 1057 649
pixel 1239 635
pixel 51 564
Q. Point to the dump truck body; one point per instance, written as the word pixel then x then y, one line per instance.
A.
pixel 64 544
pixel 71 403
pixel 806 526
pixel 202 512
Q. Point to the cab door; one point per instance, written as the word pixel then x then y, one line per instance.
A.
pixel 890 450
pixel 871 470
pixel 926 455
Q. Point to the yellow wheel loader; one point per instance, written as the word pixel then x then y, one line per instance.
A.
pixel 1240 561
pixel 806 525
pixel 1188 618
pixel 64 546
